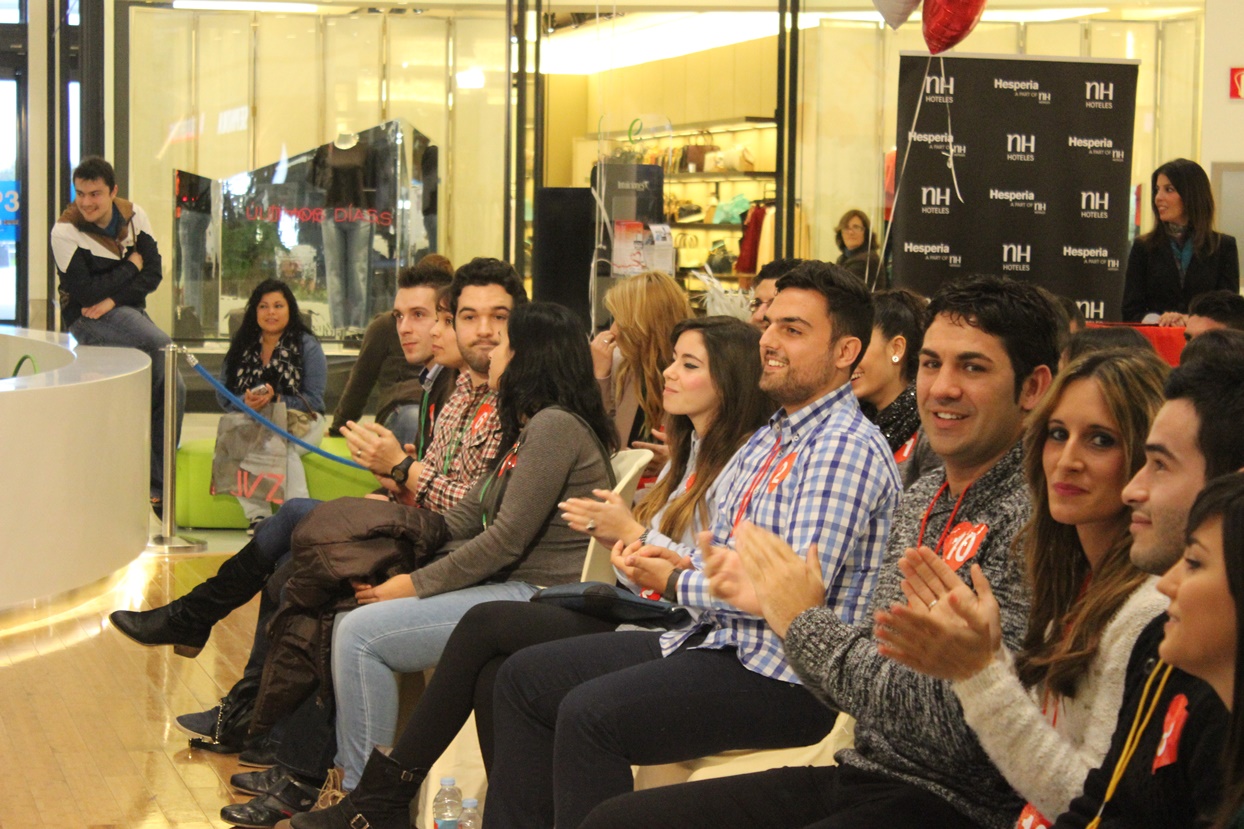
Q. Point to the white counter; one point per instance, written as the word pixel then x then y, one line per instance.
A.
pixel 74 464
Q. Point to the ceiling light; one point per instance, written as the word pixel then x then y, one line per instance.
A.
pixel 1051 15
pixel 245 6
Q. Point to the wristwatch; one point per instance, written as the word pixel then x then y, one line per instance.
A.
pixel 401 472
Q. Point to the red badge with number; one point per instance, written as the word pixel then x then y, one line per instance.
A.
pixel 1172 728
pixel 480 416
pixel 783 469
pixel 904 451
pixel 962 543
pixel 1030 818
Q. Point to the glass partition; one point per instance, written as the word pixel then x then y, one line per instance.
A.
pixel 239 93
pixel 333 223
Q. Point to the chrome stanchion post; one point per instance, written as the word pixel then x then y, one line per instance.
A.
pixel 168 541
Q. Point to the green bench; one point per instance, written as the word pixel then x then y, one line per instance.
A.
pixel 197 507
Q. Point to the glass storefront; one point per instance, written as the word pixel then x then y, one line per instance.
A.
pixel 246 97
pixel 697 94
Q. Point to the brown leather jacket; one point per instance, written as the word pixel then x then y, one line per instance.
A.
pixel 341 540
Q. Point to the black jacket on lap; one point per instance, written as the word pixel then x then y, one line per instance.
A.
pixel 342 540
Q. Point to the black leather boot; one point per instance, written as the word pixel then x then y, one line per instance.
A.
pixel 187 622
pixel 381 800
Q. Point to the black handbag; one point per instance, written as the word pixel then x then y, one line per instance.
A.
pixel 612 604
pixel 233 720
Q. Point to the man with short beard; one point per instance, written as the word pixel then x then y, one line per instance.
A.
pixel 819 475
pixel 989 351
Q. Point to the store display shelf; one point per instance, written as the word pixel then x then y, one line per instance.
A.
pixel 727 176
pixel 747 122
pixel 706 226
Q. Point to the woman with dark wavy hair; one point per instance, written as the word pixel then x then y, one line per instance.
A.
pixel 273 358
pixel 1183 255
pixel 713 403
pixel 507 535
pixel 1205 630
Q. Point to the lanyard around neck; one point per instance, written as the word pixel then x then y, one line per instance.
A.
pixel 452 451
pixel 1133 736
pixel 751 489
pixel 507 463
pixel 950 522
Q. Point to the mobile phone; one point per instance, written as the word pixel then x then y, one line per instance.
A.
pixel 260 389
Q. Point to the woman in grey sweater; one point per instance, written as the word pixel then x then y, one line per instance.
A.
pixel 508 537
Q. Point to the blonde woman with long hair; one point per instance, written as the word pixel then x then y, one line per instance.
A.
pixel 630 356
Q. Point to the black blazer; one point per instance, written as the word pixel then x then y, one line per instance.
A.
pixel 1152 284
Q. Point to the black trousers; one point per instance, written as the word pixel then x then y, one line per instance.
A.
pixel 481 642
pixel 812 797
pixel 573 716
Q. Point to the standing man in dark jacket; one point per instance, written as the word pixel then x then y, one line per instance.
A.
pixel 108 263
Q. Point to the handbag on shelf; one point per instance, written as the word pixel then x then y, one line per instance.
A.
pixel 738 159
pixel 689 212
pixel 687 251
pixel 695 159
pixel 719 259
pixel 611 604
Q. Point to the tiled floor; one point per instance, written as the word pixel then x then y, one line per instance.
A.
pixel 86 716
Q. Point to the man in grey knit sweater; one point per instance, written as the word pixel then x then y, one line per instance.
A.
pixel 989 354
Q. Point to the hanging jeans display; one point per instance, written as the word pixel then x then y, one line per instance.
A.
pixel 192 236
pixel 347 260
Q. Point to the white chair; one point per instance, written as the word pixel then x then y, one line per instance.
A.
pixel 745 762
pixel 628 465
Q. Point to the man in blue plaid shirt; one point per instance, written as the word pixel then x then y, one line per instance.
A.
pixel 573 716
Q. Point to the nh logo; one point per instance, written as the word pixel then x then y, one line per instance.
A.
pixel 1090 200
pixel 935 85
pixel 1017 253
pixel 1098 91
pixel 935 196
pixel 1021 143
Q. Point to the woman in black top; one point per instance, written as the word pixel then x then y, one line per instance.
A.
pixel 1183 255
pixel 854 237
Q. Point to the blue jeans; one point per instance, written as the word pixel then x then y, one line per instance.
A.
pixel 405 423
pixel 376 641
pixel 347 262
pixel 192 236
pixel 129 327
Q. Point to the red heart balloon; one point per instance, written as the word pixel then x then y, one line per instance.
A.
pixel 946 22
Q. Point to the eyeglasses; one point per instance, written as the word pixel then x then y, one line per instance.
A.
pixel 757 303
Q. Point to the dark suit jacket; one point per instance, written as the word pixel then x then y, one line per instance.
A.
pixel 1152 284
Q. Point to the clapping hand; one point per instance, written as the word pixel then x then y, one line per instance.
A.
pixel 607 519
pixel 375 447
pixel 945 630
pixel 647 565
